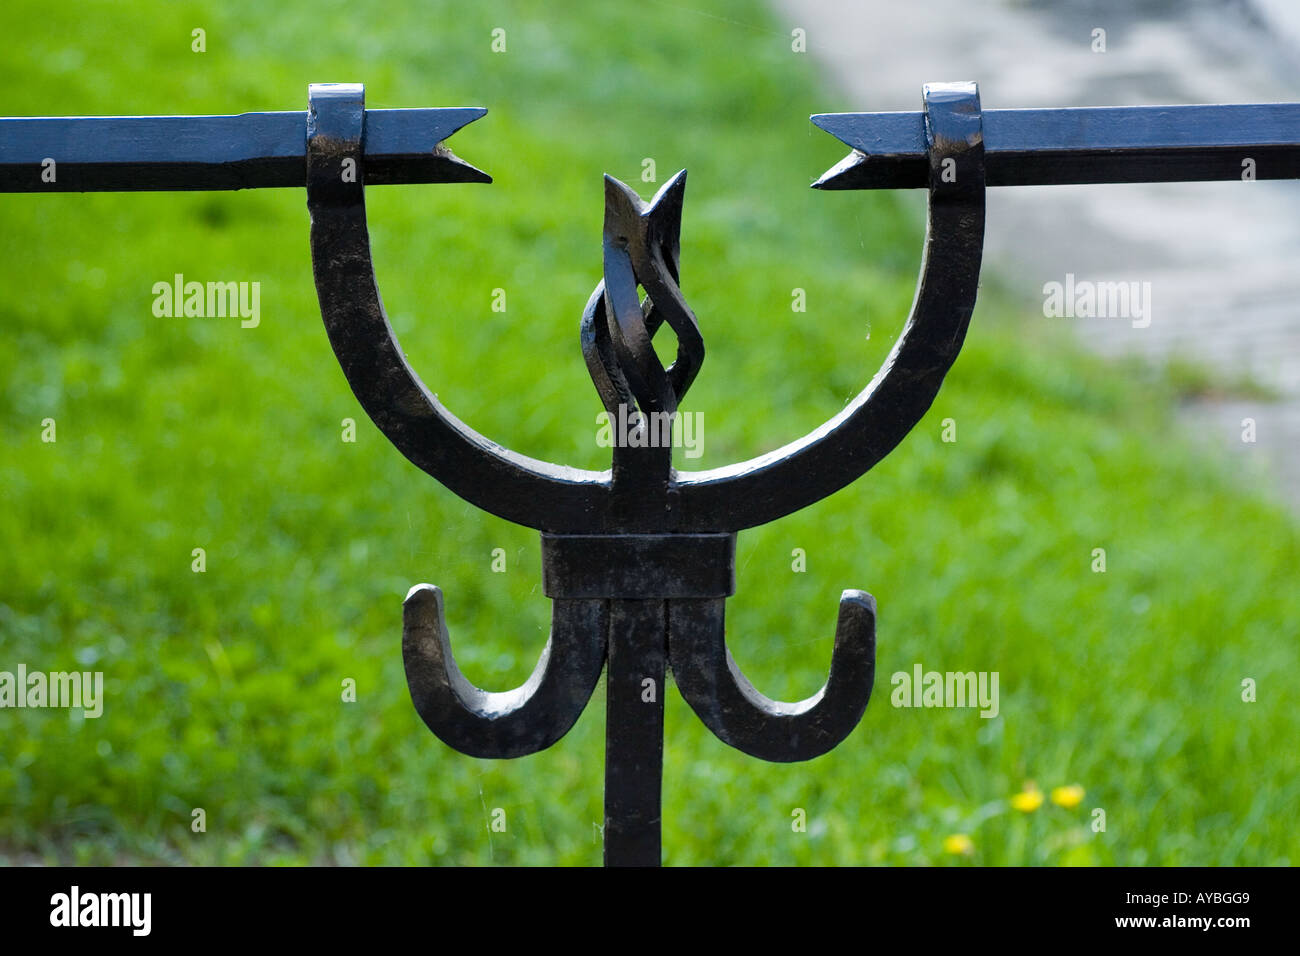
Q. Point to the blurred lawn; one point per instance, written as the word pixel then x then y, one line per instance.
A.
pixel 223 688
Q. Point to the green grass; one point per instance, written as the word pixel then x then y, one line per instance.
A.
pixel 223 688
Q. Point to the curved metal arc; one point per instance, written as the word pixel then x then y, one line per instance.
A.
pixel 512 486
pixel 553 497
pixel 768 487
pixel 510 723
pixel 730 706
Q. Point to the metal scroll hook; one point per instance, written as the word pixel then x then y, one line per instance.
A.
pixel 512 723
pixel 729 705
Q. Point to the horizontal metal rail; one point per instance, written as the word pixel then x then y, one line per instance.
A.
pixel 243 151
pixel 1121 144
pixel 1022 148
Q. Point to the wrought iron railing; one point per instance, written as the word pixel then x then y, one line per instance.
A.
pixel 638 561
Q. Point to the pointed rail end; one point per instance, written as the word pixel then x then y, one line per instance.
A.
pixel 452 121
pixel 409 146
pixel 851 172
pixel 453 169
pixel 889 150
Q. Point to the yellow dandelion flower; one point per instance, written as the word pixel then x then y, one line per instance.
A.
pixel 1068 797
pixel 959 844
pixel 1028 800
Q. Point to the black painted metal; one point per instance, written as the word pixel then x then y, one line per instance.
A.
pixel 246 151
pixel 731 707
pixel 634 732
pixel 1110 144
pixel 638 560
pixel 1023 147
pixel 512 723
pixel 650 547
